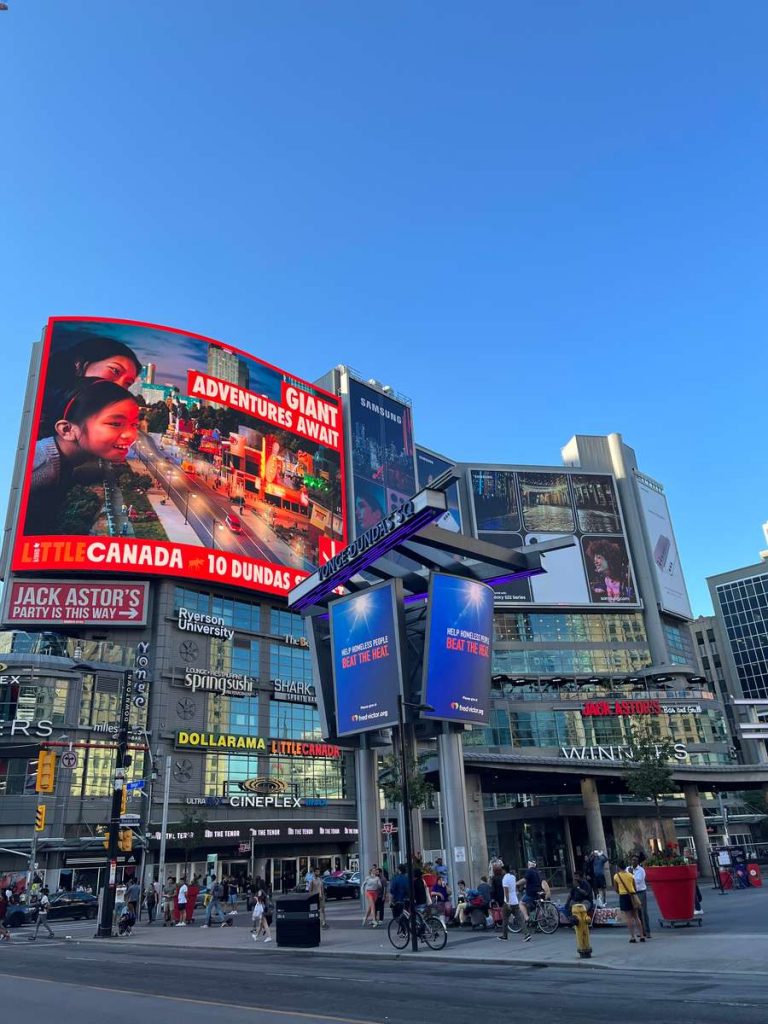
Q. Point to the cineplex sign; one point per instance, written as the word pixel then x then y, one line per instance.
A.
pixel 225 742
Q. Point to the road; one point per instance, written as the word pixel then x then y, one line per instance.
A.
pixel 113 980
pixel 206 509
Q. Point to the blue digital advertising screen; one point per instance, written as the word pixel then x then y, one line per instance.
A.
pixel 367 665
pixel 457 650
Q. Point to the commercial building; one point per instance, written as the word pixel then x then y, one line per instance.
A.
pixel 166 565
pixel 740 601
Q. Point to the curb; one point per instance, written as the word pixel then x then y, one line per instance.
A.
pixel 432 958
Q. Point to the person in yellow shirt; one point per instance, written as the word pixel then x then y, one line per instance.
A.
pixel 629 902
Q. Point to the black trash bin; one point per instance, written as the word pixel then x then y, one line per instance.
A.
pixel 297 920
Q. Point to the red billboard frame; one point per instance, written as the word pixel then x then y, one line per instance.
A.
pixel 54 553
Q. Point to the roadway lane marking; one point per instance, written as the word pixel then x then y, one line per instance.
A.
pixel 187 999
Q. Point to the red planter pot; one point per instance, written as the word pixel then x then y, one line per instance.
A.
pixel 675 890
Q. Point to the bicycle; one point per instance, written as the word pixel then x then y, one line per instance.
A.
pixel 545 917
pixel 429 929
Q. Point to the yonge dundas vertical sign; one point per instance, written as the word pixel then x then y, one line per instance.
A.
pixel 156 451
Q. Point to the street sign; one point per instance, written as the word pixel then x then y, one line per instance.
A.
pixel 130 820
pixel 68 759
pixel 132 787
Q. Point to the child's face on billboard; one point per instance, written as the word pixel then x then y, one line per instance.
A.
pixel 109 434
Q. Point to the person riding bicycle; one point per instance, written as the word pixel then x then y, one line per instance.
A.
pixel 534 884
pixel 398 890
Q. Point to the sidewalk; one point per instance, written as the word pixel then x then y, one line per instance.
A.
pixel 732 939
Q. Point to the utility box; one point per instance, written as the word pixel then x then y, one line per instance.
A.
pixel 297 920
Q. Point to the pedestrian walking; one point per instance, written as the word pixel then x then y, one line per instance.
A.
pixel 259 921
pixel 598 880
pixel 181 902
pixel 150 901
pixel 133 897
pixel 5 935
pixel 382 896
pixel 641 888
pixel 193 891
pixel 169 893
pixel 371 888
pixel 44 905
pixel 316 888
pixel 214 905
pixel 629 903
pixel 511 907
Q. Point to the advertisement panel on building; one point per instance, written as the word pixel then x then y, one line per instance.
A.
pixel 366 631
pixel 383 465
pixel 457 649
pixel 156 451
pixel 673 595
pixel 516 507
pixel 428 468
pixel 36 602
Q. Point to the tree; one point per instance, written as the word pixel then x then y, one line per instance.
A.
pixel 78 511
pixel 391 781
pixel 650 775
pixel 193 826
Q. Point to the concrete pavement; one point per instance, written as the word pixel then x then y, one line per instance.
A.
pixel 732 938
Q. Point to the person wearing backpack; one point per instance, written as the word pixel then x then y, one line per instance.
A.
pixel 214 907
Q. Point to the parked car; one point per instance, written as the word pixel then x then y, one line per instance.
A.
pixel 342 887
pixel 78 906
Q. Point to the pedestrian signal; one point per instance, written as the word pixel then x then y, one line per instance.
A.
pixel 125 842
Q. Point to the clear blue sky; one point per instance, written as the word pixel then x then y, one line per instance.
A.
pixel 535 219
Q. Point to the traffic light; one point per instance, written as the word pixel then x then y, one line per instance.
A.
pixel 125 841
pixel 124 800
pixel 106 840
pixel 46 771
pixel 40 818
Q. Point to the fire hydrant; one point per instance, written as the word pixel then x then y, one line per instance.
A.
pixel 581 914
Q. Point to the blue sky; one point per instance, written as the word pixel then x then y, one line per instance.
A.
pixel 535 219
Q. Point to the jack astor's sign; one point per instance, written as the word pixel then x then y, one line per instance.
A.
pixel 602 708
pixel 225 742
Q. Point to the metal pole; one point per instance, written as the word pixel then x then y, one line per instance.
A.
pixel 408 833
pixel 164 826
pixel 104 930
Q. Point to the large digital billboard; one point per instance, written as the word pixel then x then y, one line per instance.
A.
pixel 156 451
pixel 428 468
pixel 673 595
pixel 457 649
pixel 518 507
pixel 366 631
pixel 383 464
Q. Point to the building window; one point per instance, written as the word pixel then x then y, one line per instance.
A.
pixel 237 715
pixel 17 776
pixel 95 772
pixel 35 702
pixel 282 623
pixel 289 721
pixel 290 663
pixel 307 778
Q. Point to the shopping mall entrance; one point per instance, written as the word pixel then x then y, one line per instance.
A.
pixel 284 874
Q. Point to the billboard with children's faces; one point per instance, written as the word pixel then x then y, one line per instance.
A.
pixel 515 507
pixel 158 451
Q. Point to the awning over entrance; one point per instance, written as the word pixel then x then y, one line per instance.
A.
pixel 519 773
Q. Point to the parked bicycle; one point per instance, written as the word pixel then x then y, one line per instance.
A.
pixel 429 929
pixel 544 916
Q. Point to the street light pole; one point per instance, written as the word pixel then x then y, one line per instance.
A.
pixel 121 763
pixel 404 766
pixel 186 506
